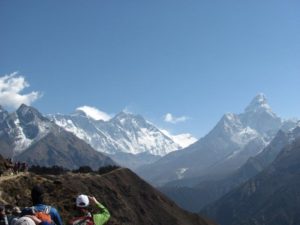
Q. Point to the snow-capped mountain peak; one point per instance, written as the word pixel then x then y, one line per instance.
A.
pixel 259 104
pixel 28 114
pixel 259 116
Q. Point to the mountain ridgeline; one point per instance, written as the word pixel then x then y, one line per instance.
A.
pixel 128 139
pixel 271 197
pixel 208 191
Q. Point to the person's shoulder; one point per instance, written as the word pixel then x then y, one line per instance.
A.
pixel 52 208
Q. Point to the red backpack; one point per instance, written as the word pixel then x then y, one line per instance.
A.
pixel 42 215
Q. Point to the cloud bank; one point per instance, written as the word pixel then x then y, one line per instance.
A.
pixel 11 87
pixel 169 118
pixel 94 113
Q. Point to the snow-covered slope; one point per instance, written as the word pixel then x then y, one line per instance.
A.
pixel 23 127
pixel 124 133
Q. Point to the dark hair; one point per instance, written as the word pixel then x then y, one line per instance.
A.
pixel 37 195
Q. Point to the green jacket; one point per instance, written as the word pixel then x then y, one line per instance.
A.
pixel 102 216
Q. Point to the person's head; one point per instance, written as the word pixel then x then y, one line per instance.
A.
pixel 16 211
pixel 37 195
pixel 2 210
pixel 82 203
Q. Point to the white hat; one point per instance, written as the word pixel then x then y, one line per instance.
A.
pixel 82 201
pixel 24 221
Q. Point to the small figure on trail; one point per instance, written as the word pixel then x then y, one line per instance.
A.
pixel 45 213
pixel 91 212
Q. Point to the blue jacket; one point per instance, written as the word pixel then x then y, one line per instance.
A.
pixel 55 217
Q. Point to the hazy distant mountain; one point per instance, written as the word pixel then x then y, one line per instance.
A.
pixel 29 136
pixel 270 198
pixel 129 139
pixel 193 194
pixel 234 139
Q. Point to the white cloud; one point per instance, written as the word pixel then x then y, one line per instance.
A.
pixel 94 113
pixel 11 87
pixel 171 119
pixel 184 140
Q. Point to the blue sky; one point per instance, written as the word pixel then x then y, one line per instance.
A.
pixel 194 59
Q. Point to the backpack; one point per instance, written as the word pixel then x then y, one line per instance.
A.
pixel 84 220
pixel 42 215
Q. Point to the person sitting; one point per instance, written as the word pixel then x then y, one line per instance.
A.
pixel 91 211
pixel 15 215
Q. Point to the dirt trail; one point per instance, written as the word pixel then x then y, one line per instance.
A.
pixel 8 177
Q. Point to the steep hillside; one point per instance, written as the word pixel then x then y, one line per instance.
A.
pixel 271 198
pixel 130 200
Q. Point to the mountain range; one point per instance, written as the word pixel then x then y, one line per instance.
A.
pixel 234 139
pixel 71 140
pixel 26 135
pixel 208 191
pixel 237 148
pixel 129 139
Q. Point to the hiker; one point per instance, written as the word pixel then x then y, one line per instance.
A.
pixel 3 217
pixel 15 215
pixel 40 209
pixel 91 211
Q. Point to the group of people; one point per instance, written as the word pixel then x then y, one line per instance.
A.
pixel 90 212
pixel 14 167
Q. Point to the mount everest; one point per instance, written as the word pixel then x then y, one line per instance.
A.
pixel 127 138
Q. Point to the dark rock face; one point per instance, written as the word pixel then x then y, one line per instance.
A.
pixel 65 150
pixel 130 200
